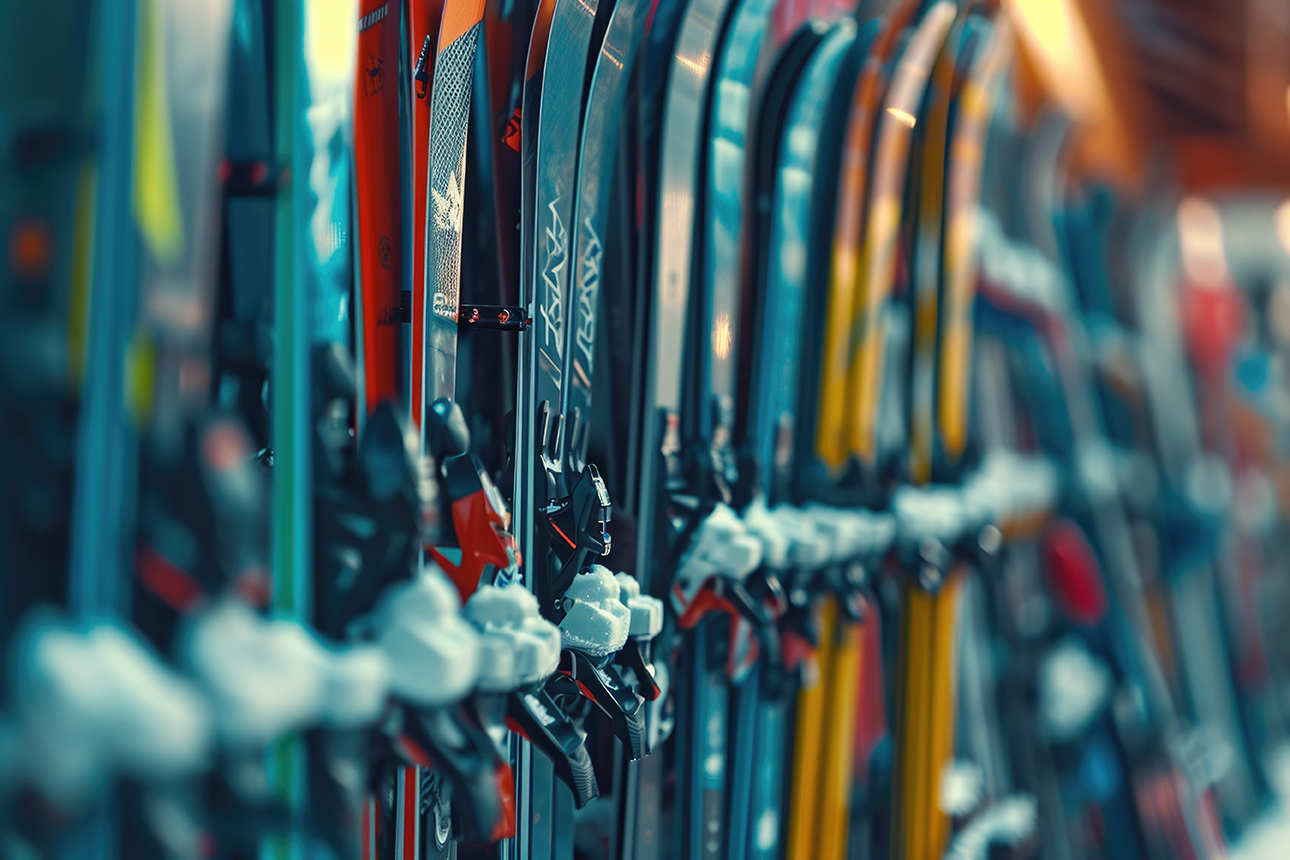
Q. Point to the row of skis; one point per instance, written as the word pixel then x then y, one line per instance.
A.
pixel 333 331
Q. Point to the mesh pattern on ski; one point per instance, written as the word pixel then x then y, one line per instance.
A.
pixel 453 74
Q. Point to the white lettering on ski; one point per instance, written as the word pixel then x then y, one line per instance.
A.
pixel 449 208
pixel 539 710
pixel 552 309
pixel 587 291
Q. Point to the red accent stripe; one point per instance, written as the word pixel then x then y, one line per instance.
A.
pixel 411 812
pixel 365 850
pixel 505 782
pixel 563 535
pixel 172 584
pixel 515 727
pixel 415 752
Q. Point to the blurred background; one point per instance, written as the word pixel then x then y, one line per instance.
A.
pixel 266 590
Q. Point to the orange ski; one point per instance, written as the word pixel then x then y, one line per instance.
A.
pixel 376 171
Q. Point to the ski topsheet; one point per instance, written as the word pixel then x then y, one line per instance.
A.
pixel 507 28
pixel 450 83
pixel 925 627
pixel 671 233
pixel 830 443
pixel 610 77
pixel 454 71
pixel 378 194
pixel 958 247
pixel 534 775
pixel 924 263
pixel 600 134
pixel 800 218
pixel 551 116
pixel 767 805
pixel 104 445
pixel 731 132
pixel 555 190
pixel 422 22
pixel 877 264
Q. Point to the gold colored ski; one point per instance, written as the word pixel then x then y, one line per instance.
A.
pixel 925 713
pixel 842 681
pixel 959 255
pixel 808 746
pixel 821 790
pixel 882 226
pixel 928 690
pixel 924 730
pixel 927 268
pixel 844 270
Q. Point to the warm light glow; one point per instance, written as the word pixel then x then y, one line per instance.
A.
pixel 904 116
pixel 1200 240
pixel 721 336
pixel 1059 36
pixel 1279 313
pixel 1283 225
pixel 699 67
pixel 1076 70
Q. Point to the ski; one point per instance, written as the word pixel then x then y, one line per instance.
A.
pixel 796 177
pixel 454 69
pixel 823 452
pixel 732 128
pixel 931 621
pixel 423 19
pixel 600 149
pixel 562 505
pixel 44 298
pixel 673 175
pixel 601 130
pixel 380 254
pixel 377 188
